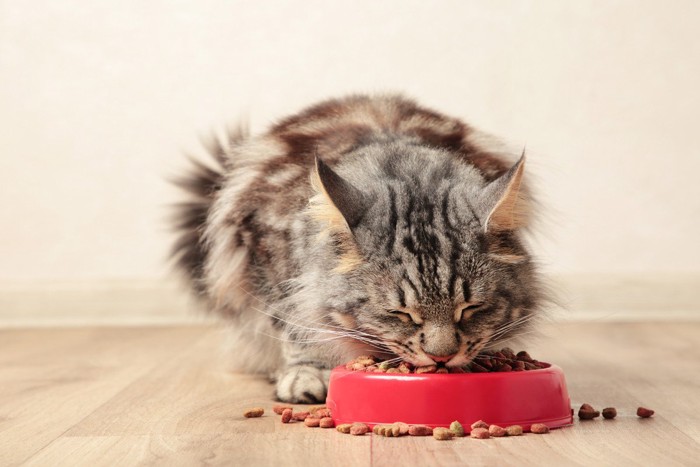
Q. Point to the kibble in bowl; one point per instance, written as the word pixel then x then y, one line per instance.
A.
pixel 371 392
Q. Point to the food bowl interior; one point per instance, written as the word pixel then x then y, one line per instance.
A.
pixel 509 398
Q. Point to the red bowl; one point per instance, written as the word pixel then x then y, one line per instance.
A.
pixel 509 398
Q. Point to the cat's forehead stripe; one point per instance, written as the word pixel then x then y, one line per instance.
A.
pixel 429 246
pixel 402 297
pixel 466 293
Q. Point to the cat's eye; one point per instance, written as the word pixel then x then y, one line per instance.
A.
pixel 466 312
pixel 402 315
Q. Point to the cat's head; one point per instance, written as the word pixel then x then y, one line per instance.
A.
pixel 431 248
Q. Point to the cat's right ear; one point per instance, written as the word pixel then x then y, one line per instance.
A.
pixel 347 199
pixel 503 201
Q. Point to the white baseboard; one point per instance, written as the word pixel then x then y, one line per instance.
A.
pixel 166 302
pixel 100 303
pixel 617 297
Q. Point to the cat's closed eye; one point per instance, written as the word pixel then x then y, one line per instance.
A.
pixel 405 316
pixel 468 311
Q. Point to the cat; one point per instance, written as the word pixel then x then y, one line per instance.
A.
pixel 361 225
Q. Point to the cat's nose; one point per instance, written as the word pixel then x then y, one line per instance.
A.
pixel 441 358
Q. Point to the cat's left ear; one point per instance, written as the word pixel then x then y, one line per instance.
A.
pixel 347 199
pixel 504 200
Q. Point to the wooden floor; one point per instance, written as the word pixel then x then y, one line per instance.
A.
pixel 162 396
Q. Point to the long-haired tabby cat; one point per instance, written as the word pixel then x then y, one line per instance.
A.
pixel 362 225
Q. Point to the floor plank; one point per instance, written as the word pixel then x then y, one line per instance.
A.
pixel 50 380
pixel 162 396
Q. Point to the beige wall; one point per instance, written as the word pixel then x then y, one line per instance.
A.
pixel 98 100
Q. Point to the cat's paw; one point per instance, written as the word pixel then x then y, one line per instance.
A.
pixel 303 384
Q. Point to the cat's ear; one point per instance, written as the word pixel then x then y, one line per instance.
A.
pixel 345 197
pixel 503 200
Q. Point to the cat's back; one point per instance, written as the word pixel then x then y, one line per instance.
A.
pixel 278 161
pixel 335 127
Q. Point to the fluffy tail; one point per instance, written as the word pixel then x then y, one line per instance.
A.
pixel 201 183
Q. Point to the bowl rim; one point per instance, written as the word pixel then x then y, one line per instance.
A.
pixel 550 368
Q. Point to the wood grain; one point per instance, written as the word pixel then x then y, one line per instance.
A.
pixel 162 396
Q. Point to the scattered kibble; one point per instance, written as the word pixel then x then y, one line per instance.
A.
pixel 279 408
pixel 382 430
pixel 300 416
pixel 587 412
pixel 359 429
pixel 457 429
pixel 391 431
pixel 344 428
pixel 254 412
pixel 480 424
pixel 420 430
pixel 539 428
pixel 326 422
pixel 442 434
pixel 403 428
pixel 312 422
pixel 320 413
pixel 514 430
pixel 321 416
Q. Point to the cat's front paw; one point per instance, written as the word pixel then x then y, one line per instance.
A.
pixel 303 384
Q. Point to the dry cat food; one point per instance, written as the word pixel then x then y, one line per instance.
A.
pixel 321 417
pixel 514 430
pixel 391 431
pixel 487 361
pixel 254 412
pixel 326 422
pixel 420 430
pixel 539 428
pixel 388 431
pixel 587 412
pixel 312 422
pixel 359 429
pixel 300 416
pixel 457 429
pixel 479 424
pixel 442 434
pixel 344 428
pixel 279 408
pixel 320 413
pixel 287 415
pixel 480 433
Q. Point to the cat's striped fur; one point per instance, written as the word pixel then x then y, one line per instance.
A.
pixel 360 225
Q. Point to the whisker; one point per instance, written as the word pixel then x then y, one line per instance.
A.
pixel 287 314
pixel 516 335
pixel 348 333
pixel 511 325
